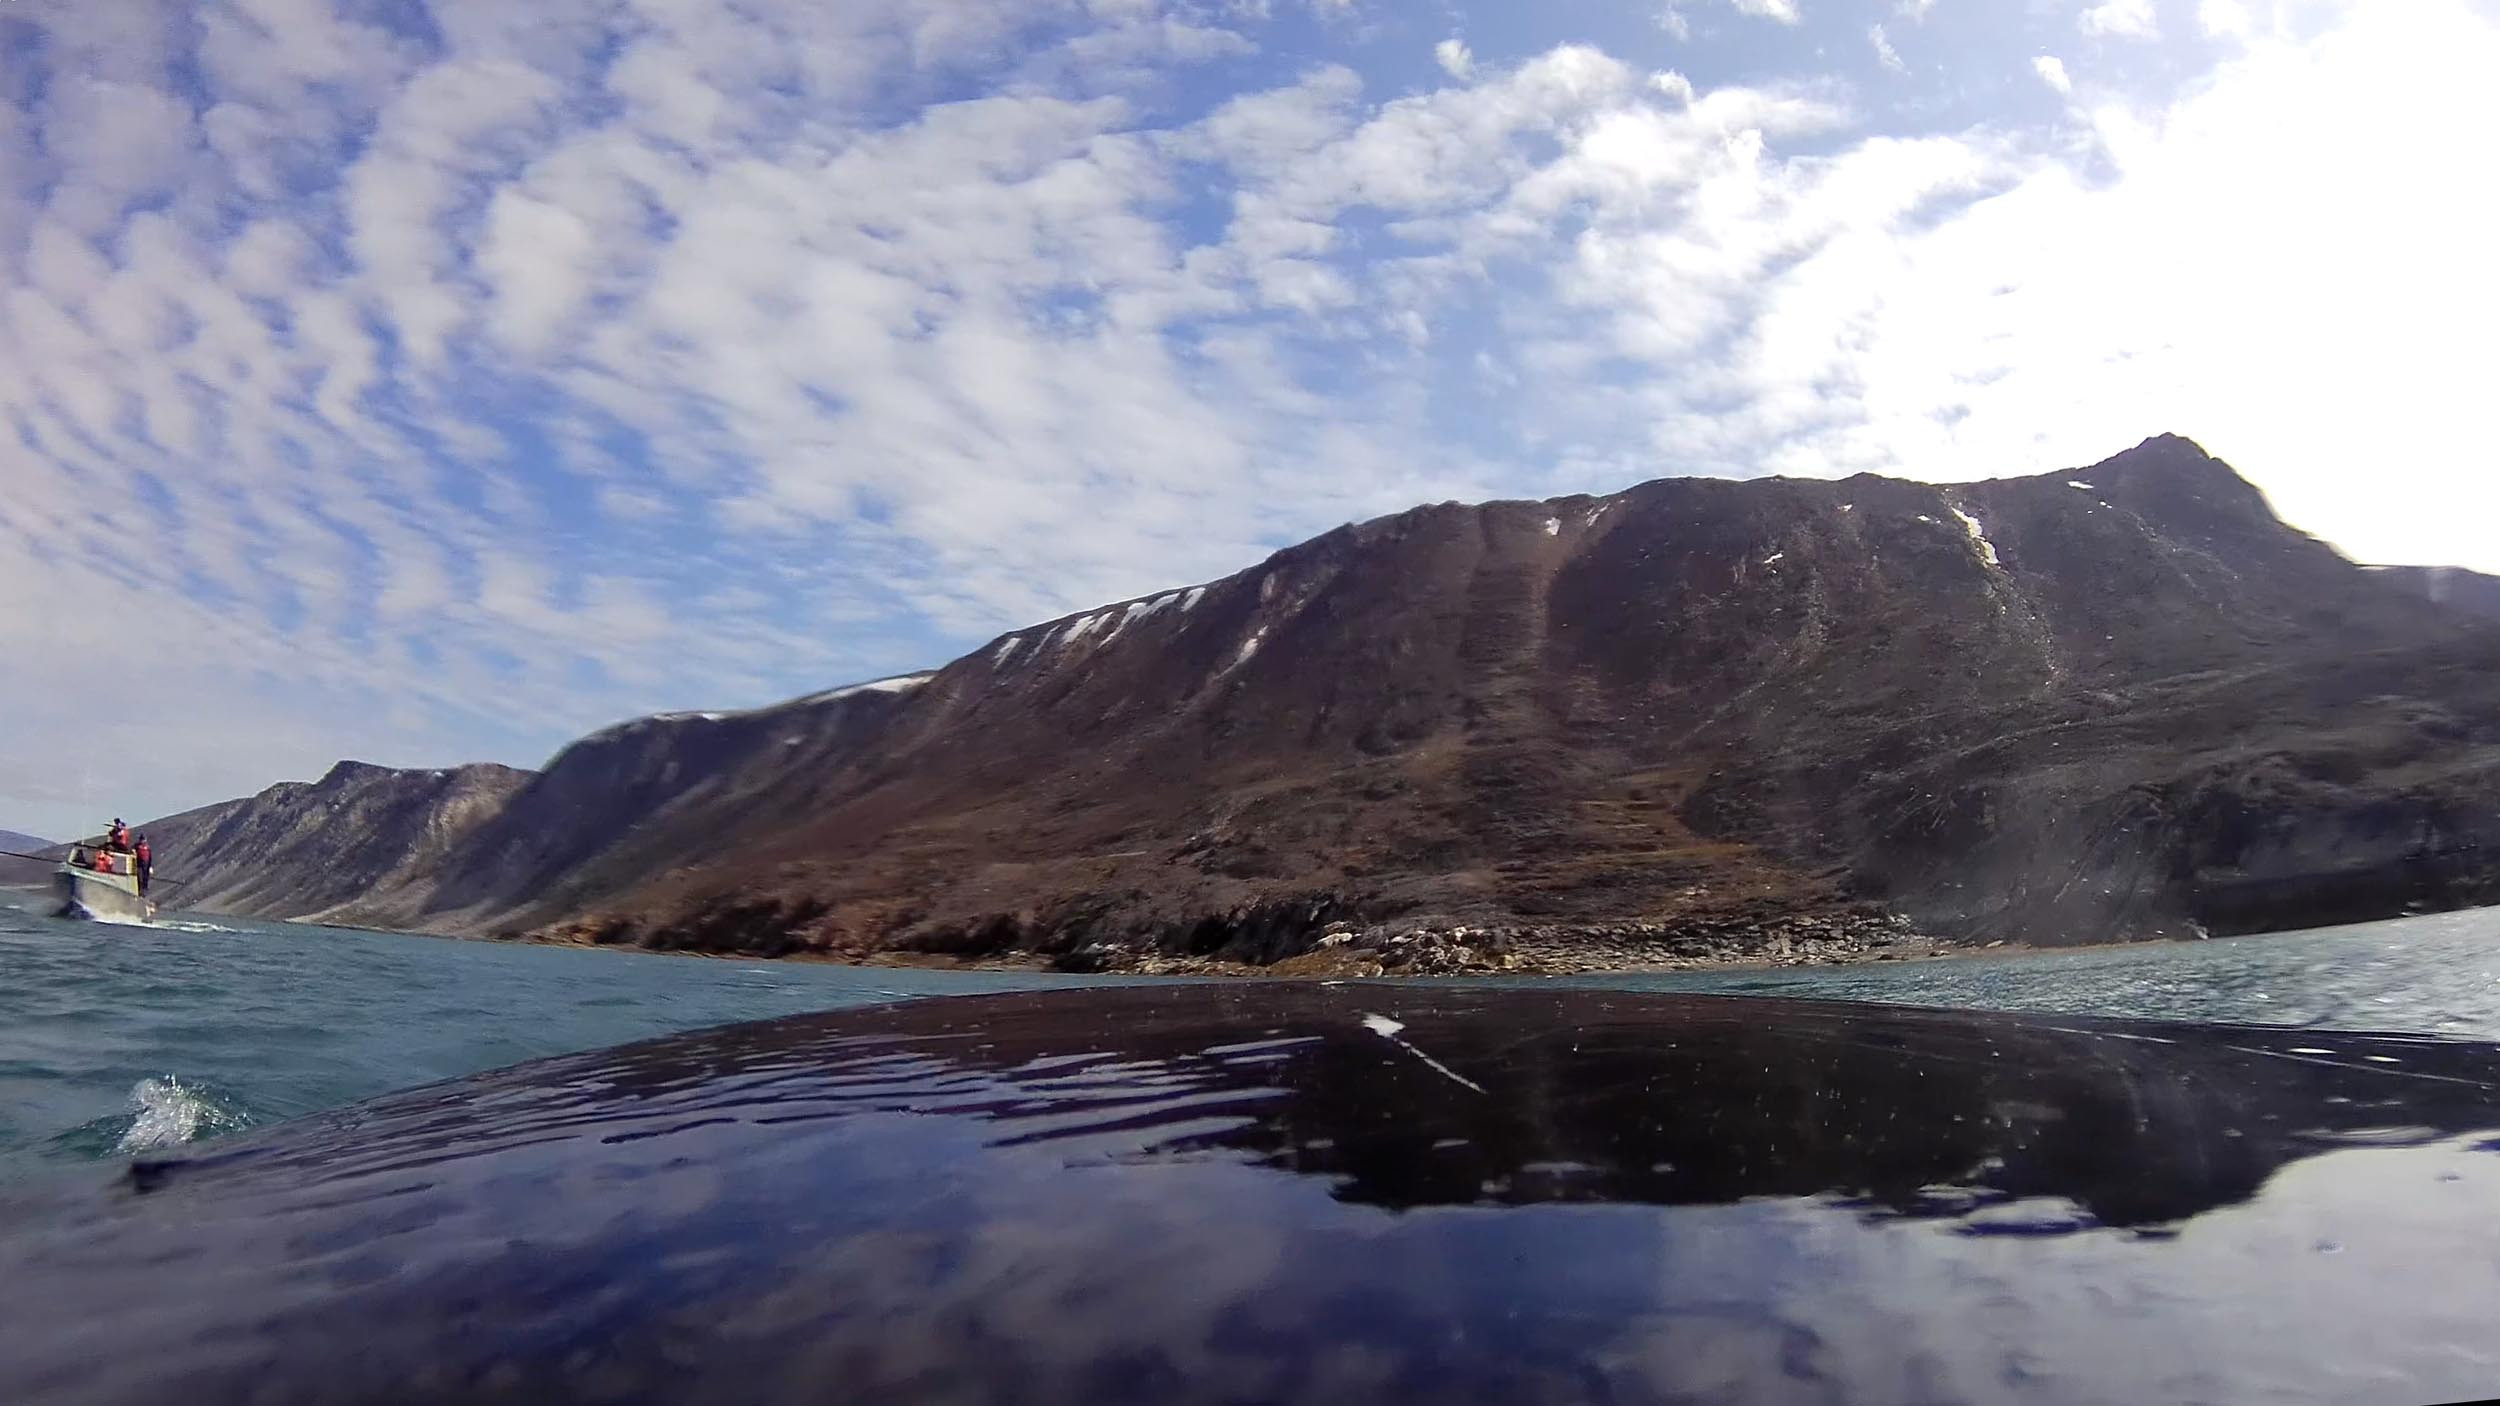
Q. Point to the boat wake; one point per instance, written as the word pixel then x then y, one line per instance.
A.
pixel 116 920
pixel 167 1112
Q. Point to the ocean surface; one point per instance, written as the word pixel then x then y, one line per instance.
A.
pixel 119 1040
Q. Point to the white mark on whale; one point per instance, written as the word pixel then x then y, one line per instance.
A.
pixel 1388 1029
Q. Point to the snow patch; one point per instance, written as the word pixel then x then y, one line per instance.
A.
pixel 1922 517
pixel 900 683
pixel 1595 513
pixel 1156 605
pixel 1848 507
pixel 1006 649
pixel 1978 537
pixel 1191 597
pixel 1080 627
pixel 1383 1026
pixel 1553 527
pixel 2079 484
pixel 1249 647
pixel 1773 559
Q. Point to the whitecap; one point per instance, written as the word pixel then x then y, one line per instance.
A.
pixel 166 1112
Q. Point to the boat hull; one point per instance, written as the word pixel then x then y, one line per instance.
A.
pixel 111 897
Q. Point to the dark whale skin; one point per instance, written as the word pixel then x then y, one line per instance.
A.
pixel 1260 1192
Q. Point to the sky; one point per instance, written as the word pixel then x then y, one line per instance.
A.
pixel 429 381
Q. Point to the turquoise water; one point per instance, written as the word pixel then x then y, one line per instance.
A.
pixel 116 1040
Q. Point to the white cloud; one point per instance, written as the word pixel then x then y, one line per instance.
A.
pixel 1675 23
pixel 1915 11
pixel 2052 71
pixel 1885 54
pixel 2126 19
pixel 2224 19
pixel 1454 58
pixel 2056 319
pixel 1784 11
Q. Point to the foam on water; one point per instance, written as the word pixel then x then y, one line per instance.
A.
pixel 166 1112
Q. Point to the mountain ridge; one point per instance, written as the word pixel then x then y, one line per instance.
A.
pixel 1694 705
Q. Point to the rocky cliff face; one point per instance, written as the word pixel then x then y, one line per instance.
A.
pixel 300 849
pixel 2119 701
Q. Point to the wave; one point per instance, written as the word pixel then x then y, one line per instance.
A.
pixel 168 1112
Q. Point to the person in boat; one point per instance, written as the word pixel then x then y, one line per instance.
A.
pixel 120 837
pixel 142 864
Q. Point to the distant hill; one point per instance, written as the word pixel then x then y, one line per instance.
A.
pixel 20 873
pixel 2451 586
pixel 2121 701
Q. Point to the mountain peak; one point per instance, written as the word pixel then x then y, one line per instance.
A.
pixel 345 772
pixel 2174 444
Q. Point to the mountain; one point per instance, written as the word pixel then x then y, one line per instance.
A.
pixel 2451 586
pixel 2116 702
pixel 301 849
pixel 16 872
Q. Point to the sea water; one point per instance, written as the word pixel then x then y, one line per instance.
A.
pixel 124 1040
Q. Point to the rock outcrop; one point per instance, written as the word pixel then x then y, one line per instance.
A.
pixel 2117 702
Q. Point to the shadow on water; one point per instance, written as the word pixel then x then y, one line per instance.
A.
pixel 1256 1192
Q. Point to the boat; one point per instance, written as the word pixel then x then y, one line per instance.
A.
pixel 104 886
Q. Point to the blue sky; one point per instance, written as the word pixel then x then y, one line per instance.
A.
pixel 431 382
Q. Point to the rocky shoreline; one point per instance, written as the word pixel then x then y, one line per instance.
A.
pixel 1346 949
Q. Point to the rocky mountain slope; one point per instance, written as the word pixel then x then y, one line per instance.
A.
pixel 1695 715
pixel 300 849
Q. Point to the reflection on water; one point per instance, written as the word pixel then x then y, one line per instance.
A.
pixel 1259 1193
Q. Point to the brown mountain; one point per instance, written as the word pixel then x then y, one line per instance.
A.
pixel 2104 703
pixel 302 848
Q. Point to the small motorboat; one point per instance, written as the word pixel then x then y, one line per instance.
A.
pixel 100 883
